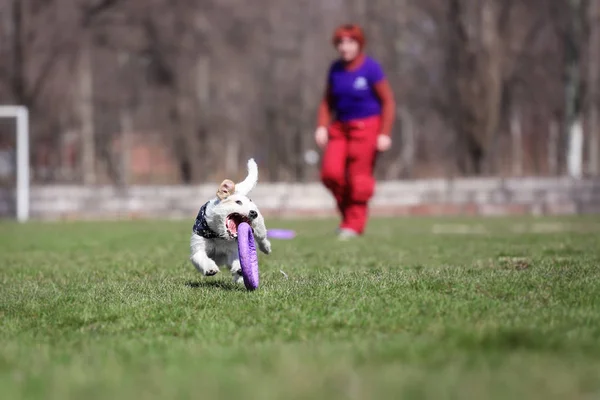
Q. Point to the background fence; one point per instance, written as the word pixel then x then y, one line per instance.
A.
pixel 483 196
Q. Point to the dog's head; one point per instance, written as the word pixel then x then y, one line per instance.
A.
pixel 230 209
pixel 232 206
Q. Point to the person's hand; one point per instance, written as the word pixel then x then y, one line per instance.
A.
pixel 384 142
pixel 321 136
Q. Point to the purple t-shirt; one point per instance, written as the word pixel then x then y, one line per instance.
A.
pixel 352 92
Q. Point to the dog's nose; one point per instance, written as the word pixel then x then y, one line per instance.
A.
pixel 252 214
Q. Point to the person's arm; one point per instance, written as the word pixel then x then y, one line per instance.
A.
pixel 324 113
pixel 382 89
pixel 324 118
pixel 388 106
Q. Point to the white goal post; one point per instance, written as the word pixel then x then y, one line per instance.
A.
pixel 21 114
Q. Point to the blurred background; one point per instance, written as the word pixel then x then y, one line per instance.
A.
pixel 140 92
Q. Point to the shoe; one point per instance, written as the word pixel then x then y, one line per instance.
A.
pixel 347 234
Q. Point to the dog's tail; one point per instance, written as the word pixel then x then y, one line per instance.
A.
pixel 249 183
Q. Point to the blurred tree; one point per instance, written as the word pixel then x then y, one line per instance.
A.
pixel 483 87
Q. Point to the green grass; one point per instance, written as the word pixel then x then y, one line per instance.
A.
pixel 115 310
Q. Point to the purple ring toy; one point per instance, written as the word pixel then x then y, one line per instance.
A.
pixel 283 234
pixel 248 256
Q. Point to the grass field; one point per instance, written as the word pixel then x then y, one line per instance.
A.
pixel 419 308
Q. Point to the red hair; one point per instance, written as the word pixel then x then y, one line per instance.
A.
pixel 349 30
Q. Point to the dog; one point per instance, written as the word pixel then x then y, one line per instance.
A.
pixel 214 234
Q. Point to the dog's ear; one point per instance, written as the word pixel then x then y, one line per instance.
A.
pixel 226 189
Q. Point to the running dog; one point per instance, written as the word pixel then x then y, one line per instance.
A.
pixel 214 235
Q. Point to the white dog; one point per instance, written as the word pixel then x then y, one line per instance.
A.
pixel 214 236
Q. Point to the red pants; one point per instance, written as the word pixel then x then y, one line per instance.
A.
pixel 347 168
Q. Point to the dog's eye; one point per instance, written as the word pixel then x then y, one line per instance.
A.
pixel 250 200
pixel 239 202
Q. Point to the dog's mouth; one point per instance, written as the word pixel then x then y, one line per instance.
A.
pixel 233 221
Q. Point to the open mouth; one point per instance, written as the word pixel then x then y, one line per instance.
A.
pixel 233 221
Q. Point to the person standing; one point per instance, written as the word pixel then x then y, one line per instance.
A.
pixel 355 120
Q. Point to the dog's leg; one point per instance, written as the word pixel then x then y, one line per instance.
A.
pixel 235 266
pixel 236 271
pixel 199 257
pixel 260 234
pixel 264 245
pixel 204 264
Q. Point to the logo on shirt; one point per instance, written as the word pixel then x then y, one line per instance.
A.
pixel 360 83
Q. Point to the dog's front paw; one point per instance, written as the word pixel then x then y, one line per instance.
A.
pixel 265 246
pixel 236 267
pixel 238 278
pixel 209 268
pixel 211 271
pixel 205 265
